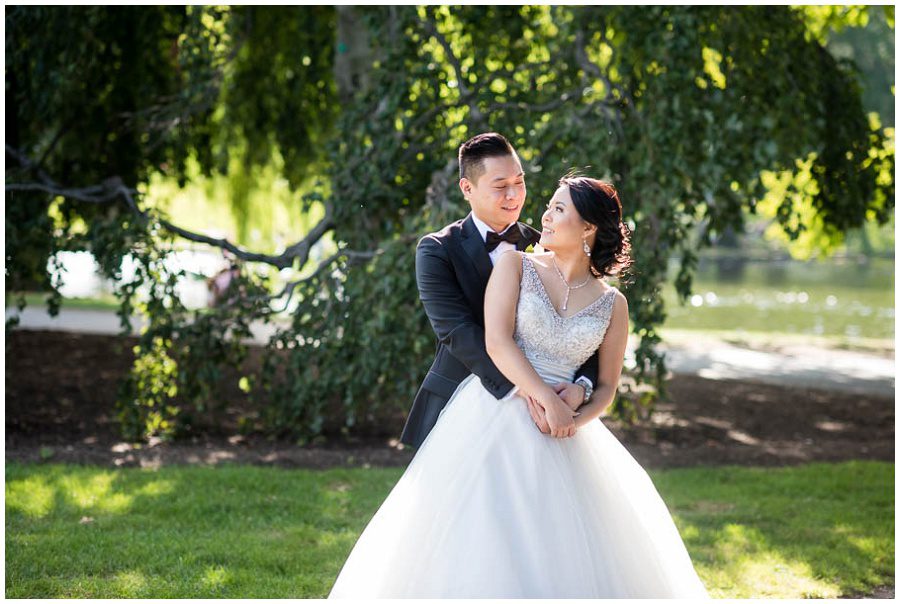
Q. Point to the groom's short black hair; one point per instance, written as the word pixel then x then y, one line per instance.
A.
pixel 474 151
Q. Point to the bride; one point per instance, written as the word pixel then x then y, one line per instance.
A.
pixel 493 507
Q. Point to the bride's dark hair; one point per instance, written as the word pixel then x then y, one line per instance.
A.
pixel 598 202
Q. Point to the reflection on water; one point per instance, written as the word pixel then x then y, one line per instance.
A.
pixel 835 297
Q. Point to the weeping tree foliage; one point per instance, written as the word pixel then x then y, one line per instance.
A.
pixel 683 108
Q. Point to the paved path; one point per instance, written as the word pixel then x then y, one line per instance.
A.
pixel 795 365
pixel 790 365
pixel 100 322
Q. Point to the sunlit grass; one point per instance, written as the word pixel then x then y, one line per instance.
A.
pixel 242 532
pixel 819 530
pixel 183 532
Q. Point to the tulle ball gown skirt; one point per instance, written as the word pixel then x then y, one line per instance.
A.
pixel 491 508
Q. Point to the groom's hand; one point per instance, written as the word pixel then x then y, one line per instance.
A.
pixel 571 394
pixel 538 415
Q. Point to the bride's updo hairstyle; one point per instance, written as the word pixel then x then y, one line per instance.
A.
pixel 598 202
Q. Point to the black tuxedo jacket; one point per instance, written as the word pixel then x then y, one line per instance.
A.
pixel 452 271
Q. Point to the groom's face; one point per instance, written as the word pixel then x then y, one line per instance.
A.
pixel 497 194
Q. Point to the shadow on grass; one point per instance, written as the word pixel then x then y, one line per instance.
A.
pixel 239 531
pixel 183 532
pixel 818 530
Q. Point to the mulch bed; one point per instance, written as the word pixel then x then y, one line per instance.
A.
pixel 61 390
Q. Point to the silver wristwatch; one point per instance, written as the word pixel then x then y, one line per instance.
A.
pixel 588 388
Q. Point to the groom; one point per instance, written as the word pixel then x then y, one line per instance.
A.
pixel 452 270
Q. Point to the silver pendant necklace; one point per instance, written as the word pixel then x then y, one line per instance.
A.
pixel 569 288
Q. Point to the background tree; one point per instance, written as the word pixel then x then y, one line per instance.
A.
pixel 683 108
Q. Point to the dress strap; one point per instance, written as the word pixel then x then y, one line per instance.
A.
pixel 530 279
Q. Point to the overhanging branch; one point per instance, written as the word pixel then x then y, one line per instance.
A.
pixel 288 289
pixel 114 189
pixel 352 256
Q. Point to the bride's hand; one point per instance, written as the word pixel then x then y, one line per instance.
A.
pixel 571 394
pixel 537 414
pixel 559 415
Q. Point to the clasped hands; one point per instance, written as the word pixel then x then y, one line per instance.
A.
pixel 554 409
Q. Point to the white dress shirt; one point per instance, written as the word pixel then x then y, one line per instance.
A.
pixel 504 246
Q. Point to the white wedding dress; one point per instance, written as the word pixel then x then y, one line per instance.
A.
pixel 490 507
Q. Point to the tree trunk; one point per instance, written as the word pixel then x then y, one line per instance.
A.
pixel 353 54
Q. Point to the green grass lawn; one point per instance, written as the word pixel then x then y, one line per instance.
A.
pixel 39 300
pixel 252 532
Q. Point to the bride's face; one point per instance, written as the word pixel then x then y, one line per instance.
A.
pixel 563 227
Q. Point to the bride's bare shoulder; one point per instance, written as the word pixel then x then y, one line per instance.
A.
pixel 542 259
pixel 509 261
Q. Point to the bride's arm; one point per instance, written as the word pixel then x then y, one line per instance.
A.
pixel 500 299
pixel 612 356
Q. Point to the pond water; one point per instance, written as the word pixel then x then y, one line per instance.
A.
pixel 835 297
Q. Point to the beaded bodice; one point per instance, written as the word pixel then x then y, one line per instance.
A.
pixel 557 346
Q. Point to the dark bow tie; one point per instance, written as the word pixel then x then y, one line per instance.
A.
pixel 512 235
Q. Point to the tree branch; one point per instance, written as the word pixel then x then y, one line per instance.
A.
pixel 27 164
pixel 59 134
pixel 586 64
pixel 571 95
pixel 431 28
pixel 177 109
pixel 352 256
pixel 436 193
pixel 113 188
pixel 466 95
pixel 612 111
pixel 93 194
pixel 288 289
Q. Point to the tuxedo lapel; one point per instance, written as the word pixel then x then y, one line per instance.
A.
pixel 529 236
pixel 473 244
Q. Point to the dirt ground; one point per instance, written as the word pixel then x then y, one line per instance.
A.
pixel 60 407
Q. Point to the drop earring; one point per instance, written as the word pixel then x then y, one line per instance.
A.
pixel 587 250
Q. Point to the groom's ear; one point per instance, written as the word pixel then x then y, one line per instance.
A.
pixel 465 185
